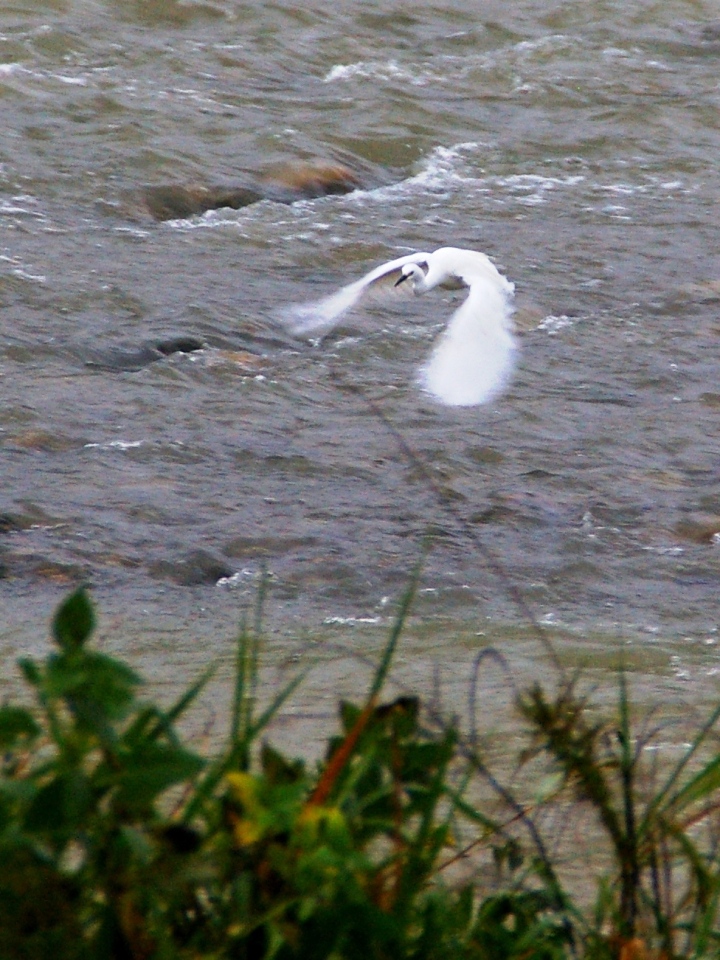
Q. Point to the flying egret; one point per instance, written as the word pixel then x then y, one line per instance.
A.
pixel 473 358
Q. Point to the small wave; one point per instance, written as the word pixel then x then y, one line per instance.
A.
pixel 531 189
pixel 549 44
pixel 553 325
pixel 114 445
pixel 446 164
pixel 21 205
pixel 350 621
pixel 455 167
pixel 382 71
pixel 19 270
pixel 441 169
pixel 454 67
pixel 71 81
pixel 26 275
pixel 16 68
pixel 238 579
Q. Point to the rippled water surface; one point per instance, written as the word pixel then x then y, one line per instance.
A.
pixel 577 144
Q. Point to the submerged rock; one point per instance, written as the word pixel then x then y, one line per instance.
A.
pixel 306 181
pixel 16 565
pixel 48 441
pixel 699 529
pixel 133 358
pixel 181 344
pixel 198 567
pixel 284 184
pixel 176 202
pixel 248 363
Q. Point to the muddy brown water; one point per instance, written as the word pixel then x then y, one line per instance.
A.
pixel 576 144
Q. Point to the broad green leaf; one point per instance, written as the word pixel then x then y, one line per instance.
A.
pixel 74 621
pixel 62 805
pixel 16 723
pixel 151 769
pixel 95 685
pixel 30 671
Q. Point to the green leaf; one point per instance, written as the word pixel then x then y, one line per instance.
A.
pixel 277 769
pixel 699 788
pixel 135 842
pixel 16 723
pixel 349 714
pixel 30 671
pixel 63 804
pixel 74 621
pixel 151 769
pixel 269 712
pixel 96 687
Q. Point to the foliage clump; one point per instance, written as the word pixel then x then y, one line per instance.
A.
pixel 119 841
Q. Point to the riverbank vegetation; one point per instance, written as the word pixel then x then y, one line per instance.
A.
pixel 119 839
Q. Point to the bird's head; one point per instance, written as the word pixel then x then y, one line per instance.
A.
pixel 413 272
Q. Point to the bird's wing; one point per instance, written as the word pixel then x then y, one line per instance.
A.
pixel 474 357
pixel 472 268
pixel 322 315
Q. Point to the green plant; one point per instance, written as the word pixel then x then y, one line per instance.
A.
pixel 79 794
pixel 119 842
pixel 665 894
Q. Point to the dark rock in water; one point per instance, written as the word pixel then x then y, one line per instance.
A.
pixel 699 529
pixel 123 358
pixel 179 345
pixel 176 202
pixel 136 358
pixel 30 516
pixel 286 184
pixel 10 523
pixel 35 566
pixel 197 568
pixel 49 441
pixel 307 181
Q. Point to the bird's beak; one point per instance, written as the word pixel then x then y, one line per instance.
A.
pixel 402 279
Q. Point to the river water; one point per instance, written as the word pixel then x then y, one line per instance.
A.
pixel 576 144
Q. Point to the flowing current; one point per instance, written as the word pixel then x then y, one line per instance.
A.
pixel 165 440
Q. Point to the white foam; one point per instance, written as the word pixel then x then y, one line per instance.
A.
pixel 442 169
pixel 381 70
pixel 553 325
pixel 350 621
pixel 15 205
pixel 448 168
pixel 72 81
pixel 9 69
pixel 26 275
pixel 238 579
pixel 532 189
pixel 115 445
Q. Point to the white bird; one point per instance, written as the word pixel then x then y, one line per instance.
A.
pixel 473 358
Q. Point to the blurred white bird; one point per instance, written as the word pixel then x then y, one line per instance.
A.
pixel 473 358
